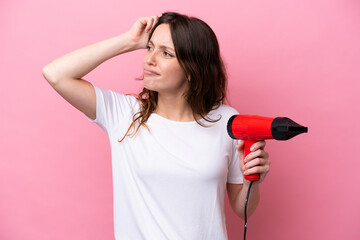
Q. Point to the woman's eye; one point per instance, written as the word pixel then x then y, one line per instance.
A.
pixel 148 47
pixel 168 54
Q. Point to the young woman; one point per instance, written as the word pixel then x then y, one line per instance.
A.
pixel 172 157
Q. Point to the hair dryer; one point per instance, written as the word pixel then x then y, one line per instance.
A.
pixel 251 128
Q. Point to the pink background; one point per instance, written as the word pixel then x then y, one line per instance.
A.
pixel 298 59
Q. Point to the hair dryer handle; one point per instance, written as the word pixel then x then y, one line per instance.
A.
pixel 247 146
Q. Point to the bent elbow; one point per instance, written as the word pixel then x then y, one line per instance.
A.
pixel 49 74
pixel 46 72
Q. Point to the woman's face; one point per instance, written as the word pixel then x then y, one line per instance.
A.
pixel 162 71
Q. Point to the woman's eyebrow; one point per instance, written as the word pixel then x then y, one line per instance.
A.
pixel 162 46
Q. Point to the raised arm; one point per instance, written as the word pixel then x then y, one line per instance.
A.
pixel 65 73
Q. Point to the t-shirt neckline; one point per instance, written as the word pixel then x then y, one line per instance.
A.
pixel 172 121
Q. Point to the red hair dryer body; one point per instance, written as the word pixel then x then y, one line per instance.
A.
pixel 251 128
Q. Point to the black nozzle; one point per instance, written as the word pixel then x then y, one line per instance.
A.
pixel 283 128
pixel 229 125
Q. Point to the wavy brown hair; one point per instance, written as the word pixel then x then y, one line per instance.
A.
pixel 198 53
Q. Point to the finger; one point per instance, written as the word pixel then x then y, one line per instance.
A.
pixel 240 149
pixel 258 153
pixel 251 171
pixel 143 22
pixel 262 169
pixel 240 146
pixel 263 175
pixel 149 24
pixel 256 162
pixel 258 145
pixel 156 18
pixel 260 162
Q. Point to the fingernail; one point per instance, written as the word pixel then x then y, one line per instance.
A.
pixel 252 149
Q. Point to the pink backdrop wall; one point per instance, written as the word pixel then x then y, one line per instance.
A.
pixel 298 59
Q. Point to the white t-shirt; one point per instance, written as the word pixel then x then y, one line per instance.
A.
pixel 169 183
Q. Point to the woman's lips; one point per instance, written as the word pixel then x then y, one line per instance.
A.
pixel 149 72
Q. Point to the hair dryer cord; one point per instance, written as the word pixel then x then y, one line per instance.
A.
pixel 246 201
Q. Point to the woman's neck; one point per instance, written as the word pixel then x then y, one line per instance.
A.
pixel 174 108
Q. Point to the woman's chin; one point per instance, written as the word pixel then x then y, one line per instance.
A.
pixel 149 87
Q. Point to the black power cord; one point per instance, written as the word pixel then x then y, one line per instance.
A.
pixel 246 201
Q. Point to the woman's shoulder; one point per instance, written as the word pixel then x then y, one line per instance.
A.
pixel 224 109
pixel 222 113
pixel 115 98
pixel 118 95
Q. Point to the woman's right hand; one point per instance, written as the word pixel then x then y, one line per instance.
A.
pixel 140 31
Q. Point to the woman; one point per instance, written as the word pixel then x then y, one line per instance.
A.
pixel 172 158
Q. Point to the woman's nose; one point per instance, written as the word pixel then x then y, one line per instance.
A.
pixel 151 58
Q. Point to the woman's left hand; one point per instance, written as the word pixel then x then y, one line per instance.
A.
pixel 257 161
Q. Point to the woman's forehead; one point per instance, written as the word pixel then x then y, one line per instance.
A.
pixel 162 36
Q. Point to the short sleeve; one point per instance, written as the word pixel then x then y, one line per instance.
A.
pixel 113 109
pixel 235 175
